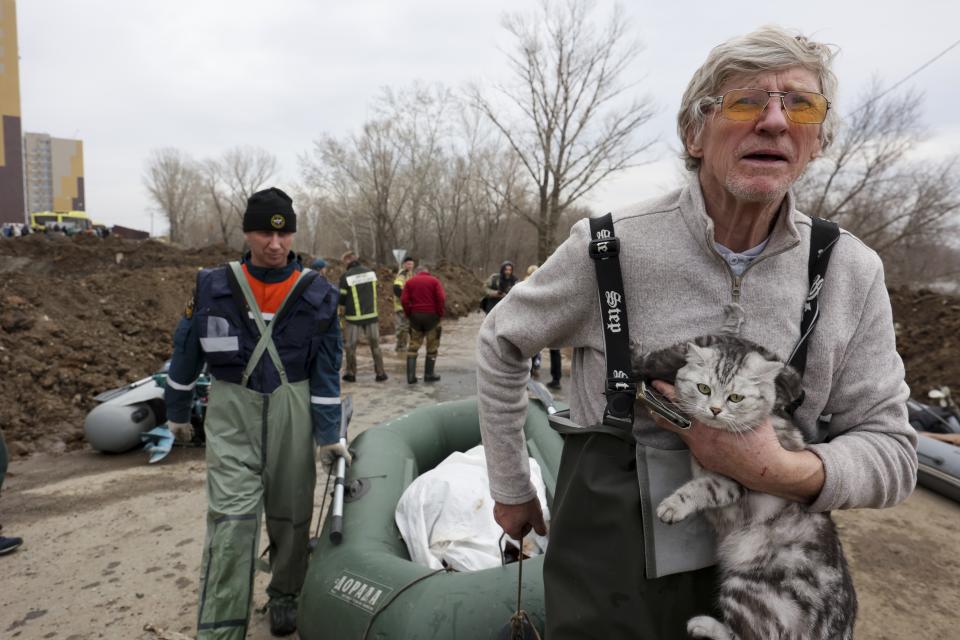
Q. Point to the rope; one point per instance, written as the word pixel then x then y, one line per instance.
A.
pixel 373 618
pixel 518 619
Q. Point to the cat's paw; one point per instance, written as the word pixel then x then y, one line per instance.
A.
pixel 709 628
pixel 674 509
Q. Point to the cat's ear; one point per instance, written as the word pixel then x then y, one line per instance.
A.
pixel 789 384
pixel 760 369
pixel 698 355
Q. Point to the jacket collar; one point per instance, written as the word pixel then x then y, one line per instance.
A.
pixel 270 275
pixel 693 210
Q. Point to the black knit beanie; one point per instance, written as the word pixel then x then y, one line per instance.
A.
pixel 270 210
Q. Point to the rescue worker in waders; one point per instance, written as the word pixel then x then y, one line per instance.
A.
pixel 267 330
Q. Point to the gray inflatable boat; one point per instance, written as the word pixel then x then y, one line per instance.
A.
pixel 939 468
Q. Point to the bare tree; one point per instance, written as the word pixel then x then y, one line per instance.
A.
pixel 219 211
pixel 569 122
pixel 172 179
pixel 243 172
pixel 227 182
pixel 871 185
pixel 363 175
pixel 421 135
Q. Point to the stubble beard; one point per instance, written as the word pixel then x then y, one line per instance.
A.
pixel 746 190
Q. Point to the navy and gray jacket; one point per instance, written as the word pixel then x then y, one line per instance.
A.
pixel 221 333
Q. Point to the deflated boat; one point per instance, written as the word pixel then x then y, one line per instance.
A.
pixel 125 414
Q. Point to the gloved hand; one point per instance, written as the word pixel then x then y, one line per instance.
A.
pixel 327 454
pixel 182 431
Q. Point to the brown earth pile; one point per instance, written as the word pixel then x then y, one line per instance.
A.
pixel 82 315
pixel 928 339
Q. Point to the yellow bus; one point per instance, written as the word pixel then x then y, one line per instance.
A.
pixel 69 221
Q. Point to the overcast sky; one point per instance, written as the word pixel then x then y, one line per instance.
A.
pixel 206 75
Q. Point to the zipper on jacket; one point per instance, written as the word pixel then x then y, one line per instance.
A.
pixel 736 282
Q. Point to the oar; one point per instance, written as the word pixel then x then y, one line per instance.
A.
pixel 336 509
pixel 336 526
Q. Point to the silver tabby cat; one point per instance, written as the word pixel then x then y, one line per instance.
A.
pixel 783 573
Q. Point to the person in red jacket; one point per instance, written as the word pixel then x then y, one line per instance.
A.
pixel 423 301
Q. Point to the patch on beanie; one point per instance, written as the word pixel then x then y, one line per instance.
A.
pixel 278 221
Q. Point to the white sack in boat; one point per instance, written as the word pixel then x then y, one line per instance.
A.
pixel 446 515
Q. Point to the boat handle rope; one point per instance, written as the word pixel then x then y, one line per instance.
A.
pixel 520 617
pixel 373 618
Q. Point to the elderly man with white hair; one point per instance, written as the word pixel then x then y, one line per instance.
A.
pixel 729 251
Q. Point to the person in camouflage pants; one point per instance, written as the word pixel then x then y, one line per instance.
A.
pixel 423 302
pixel 402 324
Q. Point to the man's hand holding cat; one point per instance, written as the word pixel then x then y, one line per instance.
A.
pixel 518 519
pixel 754 458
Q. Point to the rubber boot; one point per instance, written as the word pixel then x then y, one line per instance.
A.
pixel 411 370
pixel 283 618
pixel 428 375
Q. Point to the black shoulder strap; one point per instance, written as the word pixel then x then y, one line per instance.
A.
pixel 823 236
pixel 621 389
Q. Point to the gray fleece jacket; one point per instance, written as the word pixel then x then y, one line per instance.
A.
pixel 677 287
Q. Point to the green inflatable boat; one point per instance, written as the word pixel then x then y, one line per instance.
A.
pixel 366 587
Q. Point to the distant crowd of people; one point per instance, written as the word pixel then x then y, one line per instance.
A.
pixel 15 230
pixel 19 229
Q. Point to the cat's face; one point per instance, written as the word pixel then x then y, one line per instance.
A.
pixel 734 392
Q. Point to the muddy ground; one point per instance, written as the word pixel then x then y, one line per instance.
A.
pixel 113 545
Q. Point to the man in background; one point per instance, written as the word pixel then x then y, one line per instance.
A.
pixel 423 301
pixel 320 266
pixel 499 285
pixel 358 296
pixel 400 318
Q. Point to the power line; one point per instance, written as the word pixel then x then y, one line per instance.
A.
pixel 910 75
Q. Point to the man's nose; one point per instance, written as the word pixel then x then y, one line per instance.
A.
pixel 275 240
pixel 773 118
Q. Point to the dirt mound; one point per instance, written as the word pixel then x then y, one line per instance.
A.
pixel 928 339
pixel 82 315
pixel 82 255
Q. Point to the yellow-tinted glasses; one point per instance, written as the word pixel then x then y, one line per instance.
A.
pixel 742 105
